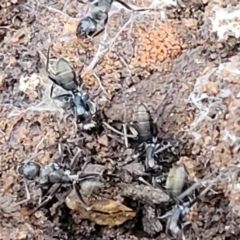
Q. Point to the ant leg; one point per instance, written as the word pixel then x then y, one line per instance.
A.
pixel 144 151
pixel 62 197
pixel 75 158
pixel 51 91
pixel 164 147
pixel 185 224
pixel 62 96
pixel 48 57
pixel 60 150
pixel 28 197
pixel 97 33
pixel 85 177
pixel 167 215
pixel 130 161
pixel 88 176
pixel 53 190
pixel 144 181
pixel 125 5
pixel 79 195
pixel 59 96
pixel 137 155
pixel 156 184
pixel 92 107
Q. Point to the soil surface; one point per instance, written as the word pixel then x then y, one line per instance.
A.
pixel 182 53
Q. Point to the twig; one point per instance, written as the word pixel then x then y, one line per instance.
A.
pixel 2 132
pixel 118 132
pixel 8 27
pixel 51 9
pixel 131 26
pixel 100 83
pixel 120 31
pixel 74 140
pixel 101 51
pixel 35 155
pixel 124 62
pixel 124 126
pixel 115 138
pixel 40 142
pixel 98 55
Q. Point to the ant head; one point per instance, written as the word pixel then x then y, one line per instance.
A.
pixel 29 170
pixel 86 27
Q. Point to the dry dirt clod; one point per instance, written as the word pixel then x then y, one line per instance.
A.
pixel 103 140
pixel 8 183
pixel 145 194
pixel 151 224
